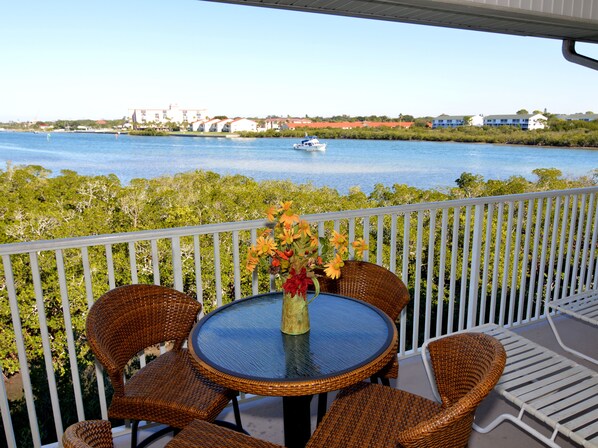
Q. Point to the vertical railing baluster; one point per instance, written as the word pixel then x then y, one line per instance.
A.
pixel 417 291
pixel 591 279
pixel 570 243
pixel 380 240
pixel 197 268
pixel 321 234
pixel 430 274
pixel 217 269
pixel 155 262
pixel 586 243
pixel 254 278
pixel 496 262
pixel 9 432
pixel 559 267
pixel 486 269
pixel 336 225
pixel 464 267
pixel 577 243
pixel 70 340
pixel 514 276
pixel 476 250
pixel 110 266
pixel 524 262
pixel 45 336
pixel 543 258
pixel 453 279
pixel 351 238
pixel 533 269
pixel 405 278
pixel 237 265
pixel 21 352
pixel 506 264
pixel 90 300
pixel 366 237
pixel 177 264
pixel 553 251
pixel 393 243
pixel 441 272
pixel 133 262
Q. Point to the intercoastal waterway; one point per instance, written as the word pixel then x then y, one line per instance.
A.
pixel 345 163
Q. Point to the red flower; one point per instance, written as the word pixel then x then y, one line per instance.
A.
pixel 297 283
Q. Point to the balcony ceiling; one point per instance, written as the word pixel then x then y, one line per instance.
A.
pixel 575 20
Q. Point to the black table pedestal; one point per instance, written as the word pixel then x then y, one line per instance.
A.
pixel 297 421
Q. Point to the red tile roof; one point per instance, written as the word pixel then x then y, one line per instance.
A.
pixel 351 124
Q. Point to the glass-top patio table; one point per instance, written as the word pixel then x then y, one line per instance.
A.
pixel 240 346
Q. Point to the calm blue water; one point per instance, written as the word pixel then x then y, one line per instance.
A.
pixel 345 163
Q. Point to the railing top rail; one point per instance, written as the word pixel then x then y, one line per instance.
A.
pixel 206 229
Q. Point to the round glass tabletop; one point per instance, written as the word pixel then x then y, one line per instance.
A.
pixel 243 339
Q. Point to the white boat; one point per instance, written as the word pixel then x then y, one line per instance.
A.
pixel 310 143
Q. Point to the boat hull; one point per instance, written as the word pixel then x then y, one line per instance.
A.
pixel 310 148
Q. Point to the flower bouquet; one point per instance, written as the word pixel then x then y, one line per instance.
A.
pixel 295 254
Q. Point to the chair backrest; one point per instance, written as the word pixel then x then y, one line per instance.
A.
pixel 371 283
pixel 130 318
pixel 466 366
pixel 88 434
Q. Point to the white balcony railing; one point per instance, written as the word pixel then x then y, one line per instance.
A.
pixel 466 263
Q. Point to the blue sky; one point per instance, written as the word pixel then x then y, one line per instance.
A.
pixel 71 59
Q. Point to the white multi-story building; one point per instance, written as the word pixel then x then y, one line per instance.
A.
pixel 580 117
pixel 452 121
pixel 172 114
pixel 524 121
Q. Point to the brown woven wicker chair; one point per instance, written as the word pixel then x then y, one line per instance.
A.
pixel 88 434
pixel 377 286
pixel 466 366
pixel 169 389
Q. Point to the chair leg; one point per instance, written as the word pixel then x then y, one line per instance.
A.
pixel 237 426
pixel 385 381
pixel 134 427
pixel 374 379
pixel 155 436
pixel 237 414
pixel 322 406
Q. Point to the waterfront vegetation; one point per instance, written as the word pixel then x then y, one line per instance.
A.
pixel 36 206
pixel 582 134
pixel 559 133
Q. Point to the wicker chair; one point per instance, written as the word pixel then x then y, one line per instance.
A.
pixel 88 434
pixel 466 367
pixel 377 286
pixel 168 390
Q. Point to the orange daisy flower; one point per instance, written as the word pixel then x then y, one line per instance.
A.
pixel 340 242
pixel 360 246
pixel 270 212
pixel 265 246
pixel 252 260
pixel 288 235
pixel 304 228
pixel 333 269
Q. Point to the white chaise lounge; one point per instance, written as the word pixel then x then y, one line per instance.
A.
pixel 557 391
pixel 582 306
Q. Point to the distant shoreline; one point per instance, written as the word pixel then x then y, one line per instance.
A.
pixel 113 132
pixel 571 139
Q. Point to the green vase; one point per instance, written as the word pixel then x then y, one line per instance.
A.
pixel 295 314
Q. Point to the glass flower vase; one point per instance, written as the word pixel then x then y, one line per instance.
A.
pixel 295 314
